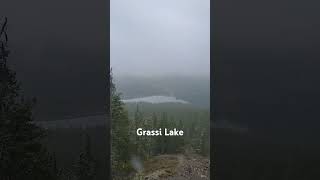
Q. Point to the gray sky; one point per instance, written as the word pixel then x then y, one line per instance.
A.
pixel 160 37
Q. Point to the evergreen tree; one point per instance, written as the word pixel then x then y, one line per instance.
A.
pixel 22 156
pixel 164 139
pixel 156 145
pixel 172 142
pixel 55 167
pixel 120 154
pixel 86 166
pixel 149 140
pixel 138 118
pixel 154 121
pixel 181 140
pixel 140 141
pixel 204 142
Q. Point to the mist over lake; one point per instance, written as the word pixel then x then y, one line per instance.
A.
pixel 156 100
pixel 192 89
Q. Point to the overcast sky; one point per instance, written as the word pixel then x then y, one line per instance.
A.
pixel 160 37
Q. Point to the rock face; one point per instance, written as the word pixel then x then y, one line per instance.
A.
pixel 192 167
pixel 176 167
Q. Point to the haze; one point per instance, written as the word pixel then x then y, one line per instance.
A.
pixel 160 37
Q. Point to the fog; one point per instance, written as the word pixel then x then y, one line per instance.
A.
pixel 160 37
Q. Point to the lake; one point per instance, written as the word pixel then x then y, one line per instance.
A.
pixel 156 100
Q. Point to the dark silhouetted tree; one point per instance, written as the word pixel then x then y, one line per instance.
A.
pixel 22 156
pixel 86 166
pixel 120 154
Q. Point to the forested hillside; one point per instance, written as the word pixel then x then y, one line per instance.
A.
pixel 158 157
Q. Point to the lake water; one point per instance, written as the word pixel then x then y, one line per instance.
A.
pixel 156 100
